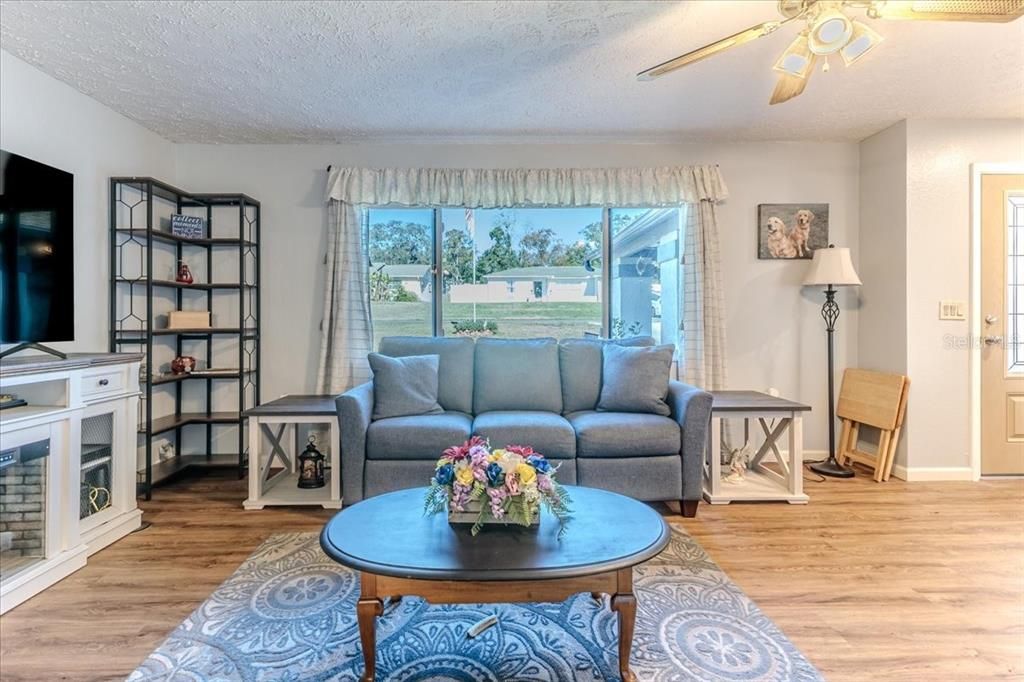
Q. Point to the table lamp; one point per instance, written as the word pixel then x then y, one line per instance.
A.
pixel 831 268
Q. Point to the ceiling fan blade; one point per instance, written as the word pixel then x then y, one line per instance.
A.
pixel 789 86
pixel 1000 11
pixel 752 33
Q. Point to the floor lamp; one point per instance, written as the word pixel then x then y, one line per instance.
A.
pixel 831 268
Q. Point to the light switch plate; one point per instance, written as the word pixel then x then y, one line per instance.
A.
pixel 952 310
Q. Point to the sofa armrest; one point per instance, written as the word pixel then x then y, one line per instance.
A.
pixel 355 409
pixel 691 408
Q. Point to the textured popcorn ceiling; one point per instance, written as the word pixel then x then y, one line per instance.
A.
pixel 259 72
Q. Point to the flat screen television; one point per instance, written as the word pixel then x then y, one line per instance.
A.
pixel 37 252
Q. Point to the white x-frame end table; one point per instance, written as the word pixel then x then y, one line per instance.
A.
pixel 760 482
pixel 275 419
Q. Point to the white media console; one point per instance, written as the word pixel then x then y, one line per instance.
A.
pixel 67 465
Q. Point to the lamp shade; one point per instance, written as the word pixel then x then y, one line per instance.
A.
pixel 831 266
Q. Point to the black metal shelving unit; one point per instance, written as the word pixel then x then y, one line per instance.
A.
pixel 136 232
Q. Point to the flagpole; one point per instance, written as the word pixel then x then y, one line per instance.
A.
pixel 471 228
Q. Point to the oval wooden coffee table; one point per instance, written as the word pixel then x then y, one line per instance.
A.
pixel 399 551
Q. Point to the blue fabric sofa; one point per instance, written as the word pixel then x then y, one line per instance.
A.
pixel 537 392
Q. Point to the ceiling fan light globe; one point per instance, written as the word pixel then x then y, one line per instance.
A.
pixel 830 32
pixel 797 59
pixel 863 41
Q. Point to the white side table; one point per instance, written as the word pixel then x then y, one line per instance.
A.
pixel 274 420
pixel 760 482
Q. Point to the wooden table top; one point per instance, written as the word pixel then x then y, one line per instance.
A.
pixel 753 401
pixel 295 405
pixel 389 535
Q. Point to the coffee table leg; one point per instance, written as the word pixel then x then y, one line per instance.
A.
pixel 368 608
pixel 624 603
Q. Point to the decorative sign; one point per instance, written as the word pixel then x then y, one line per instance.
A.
pixel 187 226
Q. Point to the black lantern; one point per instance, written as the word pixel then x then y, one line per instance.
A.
pixel 311 466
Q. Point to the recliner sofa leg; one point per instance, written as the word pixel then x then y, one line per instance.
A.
pixel 688 508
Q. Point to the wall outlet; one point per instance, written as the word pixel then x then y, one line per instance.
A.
pixel 952 310
pixel 6 541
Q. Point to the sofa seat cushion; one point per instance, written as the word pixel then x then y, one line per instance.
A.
pixel 624 434
pixel 422 436
pixel 546 432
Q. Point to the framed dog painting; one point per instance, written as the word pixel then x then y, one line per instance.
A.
pixel 787 231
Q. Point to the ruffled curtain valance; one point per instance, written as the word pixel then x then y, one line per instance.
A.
pixel 502 188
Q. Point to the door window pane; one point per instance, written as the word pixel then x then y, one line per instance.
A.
pixel 401 250
pixel 646 273
pixel 1013 342
pixel 522 273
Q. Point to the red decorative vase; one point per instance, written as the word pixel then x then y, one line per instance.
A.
pixel 184 274
pixel 183 364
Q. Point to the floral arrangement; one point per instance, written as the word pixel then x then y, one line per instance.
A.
pixel 502 485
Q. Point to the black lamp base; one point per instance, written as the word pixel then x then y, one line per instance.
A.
pixel 830 467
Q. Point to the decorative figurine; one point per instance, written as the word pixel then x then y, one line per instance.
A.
pixel 183 364
pixel 311 466
pixel 738 460
pixel 165 452
pixel 184 275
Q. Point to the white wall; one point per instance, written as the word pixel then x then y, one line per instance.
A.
pixel 775 335
pixel 939 156
pixel 45 120
pixel 882 337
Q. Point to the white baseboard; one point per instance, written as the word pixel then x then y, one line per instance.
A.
pixel 915 474
pixel 912 474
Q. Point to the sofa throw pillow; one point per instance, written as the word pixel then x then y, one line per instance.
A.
pixel 580 363
pixel 635 379
pixel 404 386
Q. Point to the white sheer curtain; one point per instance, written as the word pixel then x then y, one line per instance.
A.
pixel 347 334
pixel 703 304
pixel 346 330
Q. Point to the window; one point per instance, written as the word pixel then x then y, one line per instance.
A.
pixel 526 272
pixel 646 273
pixel 1014 343
pixel 521 272
pixel 401 251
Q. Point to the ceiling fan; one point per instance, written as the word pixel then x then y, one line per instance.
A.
pixel 828 30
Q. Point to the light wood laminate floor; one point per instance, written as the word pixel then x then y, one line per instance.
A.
pixel 892 581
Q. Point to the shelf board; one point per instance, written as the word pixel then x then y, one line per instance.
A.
pixel 285 491
pixel 162 424
pixel 202 286
pixel 248 333
pixel 162 236
pixel 163 470
pixel 174 378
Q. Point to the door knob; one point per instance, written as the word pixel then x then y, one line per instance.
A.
pixel 992 340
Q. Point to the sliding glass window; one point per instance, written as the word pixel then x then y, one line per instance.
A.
pixel 401 251
pixel 526 272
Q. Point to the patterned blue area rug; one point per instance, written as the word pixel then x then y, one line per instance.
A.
pixel 288 614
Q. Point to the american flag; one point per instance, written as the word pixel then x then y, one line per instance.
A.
pixel 470 223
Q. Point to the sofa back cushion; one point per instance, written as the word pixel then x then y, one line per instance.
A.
pixel 635 379
pixel 580 361
pixel 404 386
pixel 454 370
pixel 517 374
